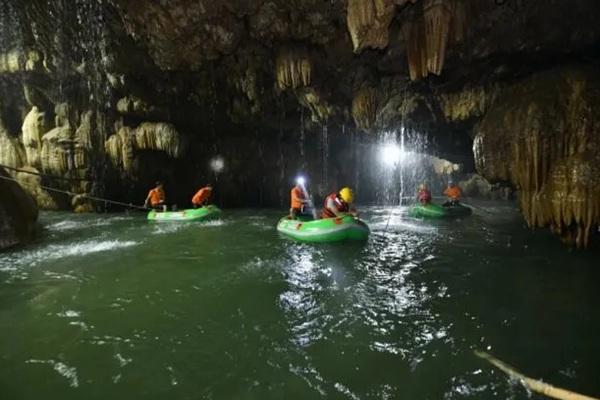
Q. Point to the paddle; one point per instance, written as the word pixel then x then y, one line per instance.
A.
pixel 533 384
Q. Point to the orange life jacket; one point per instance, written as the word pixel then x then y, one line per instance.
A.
pixel 340 205
pixel 453 192
pixel 157 196
pixel 297 195
pixel 201 196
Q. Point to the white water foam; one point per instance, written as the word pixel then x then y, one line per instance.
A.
pixel 214 222
pixel 63 369
pixel 59 251
pixel 69 314
pixel 64 226
pixel 68 225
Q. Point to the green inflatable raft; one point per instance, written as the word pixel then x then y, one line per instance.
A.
pixel 324 230
pixel 436 211
pixel 193 214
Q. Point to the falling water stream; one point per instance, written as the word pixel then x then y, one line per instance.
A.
pixel 401 162
pixel 325 157
pixel 116 307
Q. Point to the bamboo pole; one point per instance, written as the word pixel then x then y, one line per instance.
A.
pixel 533 384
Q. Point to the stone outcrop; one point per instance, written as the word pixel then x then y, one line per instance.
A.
pixel 475 185
pixel 18 213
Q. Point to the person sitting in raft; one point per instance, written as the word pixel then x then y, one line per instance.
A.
pixel 453 193
pixel 297 201
pixel 338 204
pixel 202 196
pixel 423 195
pixel 156 198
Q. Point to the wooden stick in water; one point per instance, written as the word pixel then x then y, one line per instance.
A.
pixel 533 384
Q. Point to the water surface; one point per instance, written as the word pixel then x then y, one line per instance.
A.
pixel 111 306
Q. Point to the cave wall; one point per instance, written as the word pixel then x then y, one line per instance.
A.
pixel 104 97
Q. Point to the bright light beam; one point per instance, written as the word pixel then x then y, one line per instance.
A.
pixel 301 181
pixel 217 164
pixel 391 154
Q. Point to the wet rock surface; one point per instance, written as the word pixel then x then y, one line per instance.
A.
pixel 18 213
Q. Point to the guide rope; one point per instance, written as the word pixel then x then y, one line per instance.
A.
pixel 45 175
pixel 85 196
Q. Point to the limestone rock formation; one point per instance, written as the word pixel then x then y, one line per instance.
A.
pixel 293 68
pixel 149 136
pixel 542 135
pixel 428 33
pixel 20 60
pixel 18 213
pixel 364 108
pixel 368 23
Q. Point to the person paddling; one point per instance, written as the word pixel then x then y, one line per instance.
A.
pixel 423 195
pixel 338 204
pixel 297 200
pixel 156 198
pixel 202 196
pixel 453 193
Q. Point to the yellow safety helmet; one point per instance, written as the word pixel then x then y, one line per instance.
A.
pixel 422 186
pixel 347 195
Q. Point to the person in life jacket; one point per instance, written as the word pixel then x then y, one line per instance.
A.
pixel 156 197
pixel 423 195
pixel 202 196
pixel 453 193
pixel 297 201
pixel 338 204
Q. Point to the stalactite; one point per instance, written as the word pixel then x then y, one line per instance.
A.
pixel 83 134
pixel 364 108
pixel 368 23
pixel 54 156
pixel 18 60
pixel 416 50
pixel 159 136
pixel 570 201
pixel 437 15
pixel 471 101
pixel 550 123
pixel 126 148
pixel 33 129
pixel 427 33
pixel 80 157
pixel 320 109
pixel 113 147
pixel 155 136
pixel 293 68
pixel 11 150
pixel 458 27
pixel 119 148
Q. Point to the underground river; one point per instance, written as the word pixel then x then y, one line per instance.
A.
pixel 111 306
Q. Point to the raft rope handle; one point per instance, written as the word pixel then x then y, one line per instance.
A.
pixel 533 384
pixel 80 195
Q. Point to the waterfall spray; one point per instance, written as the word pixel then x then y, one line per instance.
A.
pixel 325 149
pixel 402 154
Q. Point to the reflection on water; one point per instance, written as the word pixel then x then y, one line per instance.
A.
pixel 119 307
